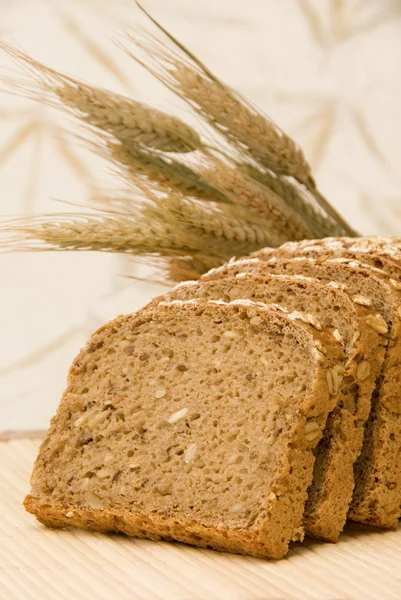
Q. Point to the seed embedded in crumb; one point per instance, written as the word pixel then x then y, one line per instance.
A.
pixel 103 474
pixel 337 335
pixel 241 275
pixel 97 419
pixel 363 370
pixel 314 322
pixel 164 490
pixel 160 393
pixel 178 415
pixel 334 377
pixel 312 431
pixel 108 459
pixel 81 420
pixel 181 368
pixel 396 284
pixel 134 466
pixel 237 507
pixel 190 453
pixel 69 514
pixel 233 459
pixel 144 356
pixel 330 382
pixel 256 320
pixel 231 335
pixel 124 344
pixel 164 359
pixel 272 496
pixel 94 501
pixel 318 355
pixel 356 337
pixel 377 323
pixel 362 300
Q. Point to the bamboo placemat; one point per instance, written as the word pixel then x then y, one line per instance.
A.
pixel 40 564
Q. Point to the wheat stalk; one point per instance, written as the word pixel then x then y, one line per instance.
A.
pixel 227 111
pixel 190 205
pixel 175 253
pixel 170 226
pixel 129 121
pixel 106 232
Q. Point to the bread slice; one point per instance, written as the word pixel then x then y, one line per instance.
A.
pixel 327 306
pixel 377 495
pixel 190 421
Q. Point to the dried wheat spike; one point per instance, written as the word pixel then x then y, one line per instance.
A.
pixel 131 122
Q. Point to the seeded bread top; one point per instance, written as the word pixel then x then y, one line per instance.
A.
pixel 382 255
pixel 325 305
pixel 390 246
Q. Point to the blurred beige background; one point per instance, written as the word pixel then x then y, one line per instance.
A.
pixel 328 71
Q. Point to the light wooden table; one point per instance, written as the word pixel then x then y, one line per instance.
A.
pixel 42 564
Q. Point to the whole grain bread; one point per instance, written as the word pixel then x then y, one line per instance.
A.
pixel 377 495
pixel 190 421
pixel 329 307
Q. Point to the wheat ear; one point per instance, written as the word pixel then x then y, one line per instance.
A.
pixel 107 232
pixel 129 121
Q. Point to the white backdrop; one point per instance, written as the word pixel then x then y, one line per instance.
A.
pixel 328 71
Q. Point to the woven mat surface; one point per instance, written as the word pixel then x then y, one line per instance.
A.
pixel 41 564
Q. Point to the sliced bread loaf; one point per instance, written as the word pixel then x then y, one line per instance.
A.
pixel 377 495
pixel 326 306
pixel 190 421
